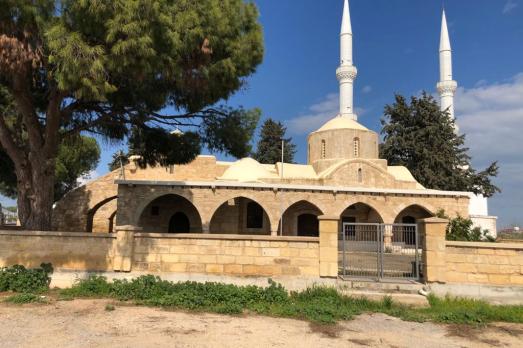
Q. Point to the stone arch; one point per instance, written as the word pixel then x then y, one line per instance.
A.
pixel 111 221
pixel 297 219
pixel 413 212
pixel 155 195
pixel 92 213
pixel 237 215
pixel 157 214
pixel 179 223
pixel 361 212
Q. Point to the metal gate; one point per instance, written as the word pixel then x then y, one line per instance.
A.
pixel 379 251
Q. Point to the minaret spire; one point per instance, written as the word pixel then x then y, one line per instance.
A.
pixel 446 86
pixel 347 72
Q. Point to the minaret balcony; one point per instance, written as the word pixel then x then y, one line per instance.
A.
pixel 447 88
pixel 346 73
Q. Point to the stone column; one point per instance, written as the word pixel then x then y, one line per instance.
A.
pixel 432 232
pixel 123 247
pixel 329 227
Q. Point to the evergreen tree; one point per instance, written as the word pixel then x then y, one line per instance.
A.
pixel 110 67
pixel 422 138
pixel 269 146
pixel 76 158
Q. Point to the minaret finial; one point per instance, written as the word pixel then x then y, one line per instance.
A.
pixel 347 72
pixel 447 86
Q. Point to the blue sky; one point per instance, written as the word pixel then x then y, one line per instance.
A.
pixel 396 51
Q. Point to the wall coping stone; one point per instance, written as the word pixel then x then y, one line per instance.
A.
pixel 291 187
pixel 55 234
pixel 434 220
pixel 228 237
pixel 483 245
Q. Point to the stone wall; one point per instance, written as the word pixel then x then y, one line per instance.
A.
pixel 226 255
pixel 484 263
pixel 66 251
pixel 252 256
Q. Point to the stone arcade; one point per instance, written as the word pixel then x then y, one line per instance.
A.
pixel 344 179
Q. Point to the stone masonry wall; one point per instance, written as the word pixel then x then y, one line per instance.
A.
pixel 484 263
pixel 227 255
pixel 66 251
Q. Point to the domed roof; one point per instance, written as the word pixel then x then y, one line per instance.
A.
pixel 247 170
pixel 341 122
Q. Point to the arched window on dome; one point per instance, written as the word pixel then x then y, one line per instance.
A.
pixel 323 150
pixel 356 147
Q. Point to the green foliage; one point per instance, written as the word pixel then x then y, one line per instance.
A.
pixel 20 279
pixel 76 158
pixel 24 298
pixel 269 146
pixel 319 304
pixel 109 67
pixel 119 159
pixel 422 138
pixel 109 307
pixel 462 229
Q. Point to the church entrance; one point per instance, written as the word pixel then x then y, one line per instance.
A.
pixel 179 223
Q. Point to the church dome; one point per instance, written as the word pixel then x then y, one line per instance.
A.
pixel 247 170
pixel 342 122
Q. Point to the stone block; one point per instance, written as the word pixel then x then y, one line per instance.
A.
pixel 273 252
pixel 174 267
pixel 233 269
pixel 250 251
pixel 486 251
pixel 189 258
pixel 282 261
pixel 312 253
pixel 196 268
pixel 290 270
pixel 499 279
pixel 466 268
pixel 265 270
pixel 478 278
pixel 214 268
pixel 516 280
pixel 225 259
pixel 245 260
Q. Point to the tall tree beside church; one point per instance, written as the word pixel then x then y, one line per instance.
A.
pixel 110 67
pixel 76 158
pixel 269 146
pixel 422 138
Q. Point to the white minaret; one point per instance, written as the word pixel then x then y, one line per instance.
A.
pixel 347 72
pixel 447 86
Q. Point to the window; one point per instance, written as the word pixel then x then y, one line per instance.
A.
pixel 323 150
pixel 155 210
pixel 356 147
pixel 254 215
pixel 360 175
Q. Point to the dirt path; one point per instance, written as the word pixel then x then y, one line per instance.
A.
pixel 86 323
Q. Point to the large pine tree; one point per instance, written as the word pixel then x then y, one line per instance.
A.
pixel 423 138
pixel 269 146
pixel 118 69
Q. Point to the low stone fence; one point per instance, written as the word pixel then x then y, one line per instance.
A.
pixel 226 254
pixel 65 250
pixel 126 251
pixel 484 263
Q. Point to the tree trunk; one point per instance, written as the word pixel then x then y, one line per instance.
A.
pixel 36 196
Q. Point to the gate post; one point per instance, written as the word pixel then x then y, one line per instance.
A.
pixel 123 248
pixel 329 228
pixel 433 231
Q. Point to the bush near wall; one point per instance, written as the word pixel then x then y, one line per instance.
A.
pixel 20 279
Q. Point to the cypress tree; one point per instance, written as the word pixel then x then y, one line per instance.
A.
pixel 269 146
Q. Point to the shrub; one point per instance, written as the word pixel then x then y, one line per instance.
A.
pixel 93 286
pixel 461 229
pixel 24 298
pixel 19 279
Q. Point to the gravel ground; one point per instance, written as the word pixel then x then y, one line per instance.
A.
pixel 86 323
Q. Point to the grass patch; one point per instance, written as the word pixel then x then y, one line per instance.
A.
pixel 316 304
pixel 24 298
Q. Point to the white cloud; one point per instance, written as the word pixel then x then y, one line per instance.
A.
pixel 491 116
pixel 317 115
pixel 93 174
pixel 367 89
pixel 509 6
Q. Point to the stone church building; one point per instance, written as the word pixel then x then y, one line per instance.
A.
pixel 343 178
